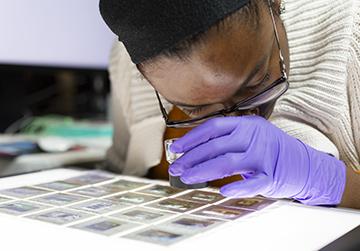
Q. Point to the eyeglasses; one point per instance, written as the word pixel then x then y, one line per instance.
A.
pixel 271 93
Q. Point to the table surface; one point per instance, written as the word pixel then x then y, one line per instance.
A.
pixel 282 226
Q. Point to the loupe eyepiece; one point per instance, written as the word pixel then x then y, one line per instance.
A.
pixel 175 181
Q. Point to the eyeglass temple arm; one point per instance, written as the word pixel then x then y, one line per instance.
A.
pixel 282 61
pixel 162 109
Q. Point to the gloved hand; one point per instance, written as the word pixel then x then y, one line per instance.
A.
pixel 273 163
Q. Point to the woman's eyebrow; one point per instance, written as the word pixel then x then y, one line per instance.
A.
pixel 259 66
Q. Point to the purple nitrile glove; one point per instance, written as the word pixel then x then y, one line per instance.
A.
pixel 273 163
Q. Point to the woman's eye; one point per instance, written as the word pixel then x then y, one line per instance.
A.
pixel 193 112
pixel 260 84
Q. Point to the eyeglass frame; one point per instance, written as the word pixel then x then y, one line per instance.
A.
pixel 238 106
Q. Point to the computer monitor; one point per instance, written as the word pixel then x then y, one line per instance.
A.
pixel 40 41
pixel 54 33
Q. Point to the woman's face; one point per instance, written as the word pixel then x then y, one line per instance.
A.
pixel 224 70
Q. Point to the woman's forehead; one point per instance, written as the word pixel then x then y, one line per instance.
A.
pixel 214 70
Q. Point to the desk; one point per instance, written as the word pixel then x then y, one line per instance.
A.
pixel 94 152
pixel 282 226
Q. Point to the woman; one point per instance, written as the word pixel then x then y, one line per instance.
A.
pixel 219 60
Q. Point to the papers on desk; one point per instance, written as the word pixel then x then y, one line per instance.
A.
pixel 114 205
pixel 96 217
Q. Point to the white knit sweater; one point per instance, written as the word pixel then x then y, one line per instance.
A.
pixel 321 108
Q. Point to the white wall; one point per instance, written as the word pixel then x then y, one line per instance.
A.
pixel 60 33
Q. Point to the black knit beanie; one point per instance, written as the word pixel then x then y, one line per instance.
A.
pixel 147 27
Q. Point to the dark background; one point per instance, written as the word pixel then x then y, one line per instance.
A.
pixel 30 91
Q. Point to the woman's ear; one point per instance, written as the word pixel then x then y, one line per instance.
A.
pixel 278 6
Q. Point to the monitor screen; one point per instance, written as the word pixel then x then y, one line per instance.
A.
pixel 54 33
